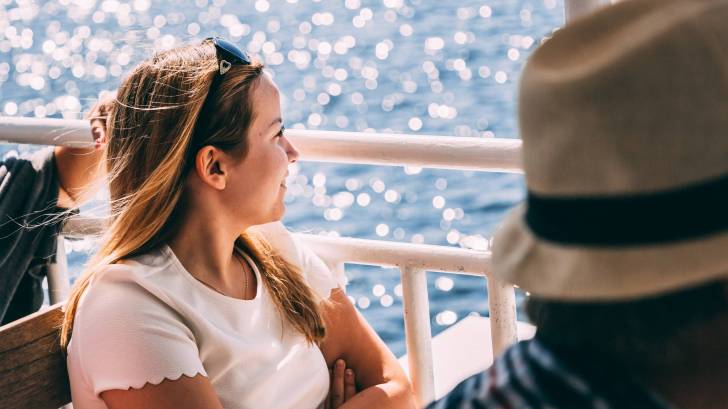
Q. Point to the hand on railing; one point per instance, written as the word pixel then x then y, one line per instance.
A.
pixel 342 386
pixel 97 118
pixel 80 170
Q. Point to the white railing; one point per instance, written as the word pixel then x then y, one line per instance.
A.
pixel 413 260
pixel 439 152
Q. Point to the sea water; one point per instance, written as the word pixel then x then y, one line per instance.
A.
pixel 403 66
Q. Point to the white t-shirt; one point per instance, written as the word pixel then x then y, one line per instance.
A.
pixel 149 319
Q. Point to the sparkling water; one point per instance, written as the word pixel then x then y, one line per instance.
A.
pixel 404 66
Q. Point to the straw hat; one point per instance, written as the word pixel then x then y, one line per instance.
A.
pixel 624 121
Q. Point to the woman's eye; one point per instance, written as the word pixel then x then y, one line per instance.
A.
pixel 280 133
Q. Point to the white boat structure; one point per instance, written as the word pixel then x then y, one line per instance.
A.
pixel 435 365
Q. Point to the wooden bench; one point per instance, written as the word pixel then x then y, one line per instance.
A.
pixel 32 368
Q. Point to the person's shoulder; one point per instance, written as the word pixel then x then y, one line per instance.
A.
pixel 467 393
pixel 129 331
pixel 281 239
pixel 319 275
pixel 42 158
pixel 139 269
pixel 36 160
pixel 506 383
pixel 130 285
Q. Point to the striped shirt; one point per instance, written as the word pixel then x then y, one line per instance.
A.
pixel 529 375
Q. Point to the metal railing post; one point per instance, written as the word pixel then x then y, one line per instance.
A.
pixel 58 283
pixel 502 307
pixel 417 333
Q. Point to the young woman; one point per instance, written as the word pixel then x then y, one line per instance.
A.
pixel 186 304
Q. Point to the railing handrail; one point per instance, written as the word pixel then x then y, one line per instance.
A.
pixel 383 253
pixel 413 260
pixel 430 151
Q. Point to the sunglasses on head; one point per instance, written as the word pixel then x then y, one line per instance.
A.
pixel 228 54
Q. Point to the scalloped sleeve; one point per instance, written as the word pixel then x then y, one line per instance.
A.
pixel 127 337
pixel 319 276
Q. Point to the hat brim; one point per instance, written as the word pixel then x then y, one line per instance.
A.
pixel 587 273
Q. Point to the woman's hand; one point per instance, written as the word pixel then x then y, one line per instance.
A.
pixel 381 381
pixel 80 169
pixel 342 386
pixel 97 119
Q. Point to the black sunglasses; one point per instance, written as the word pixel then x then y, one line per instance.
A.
pixel 228 54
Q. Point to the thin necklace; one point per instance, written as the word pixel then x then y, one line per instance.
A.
pixel 245 276
pixel 245 279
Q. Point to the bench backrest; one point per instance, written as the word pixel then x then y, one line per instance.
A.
pixel 32 367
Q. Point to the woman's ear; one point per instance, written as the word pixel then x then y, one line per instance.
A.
pixel 209 167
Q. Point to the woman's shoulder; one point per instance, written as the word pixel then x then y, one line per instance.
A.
pixel 131 286
pixel 321 277
pixel 149 266
pixel 130 330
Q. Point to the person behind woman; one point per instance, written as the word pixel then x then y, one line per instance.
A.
pixel 185 305
pixel 622 239
pixel 37 193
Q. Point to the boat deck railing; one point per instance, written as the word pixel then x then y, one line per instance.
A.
pixel 412 260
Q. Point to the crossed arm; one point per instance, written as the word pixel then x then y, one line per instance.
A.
pixel 382 382
pixel 80 168
pixel 379 377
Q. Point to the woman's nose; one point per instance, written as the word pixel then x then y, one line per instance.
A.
pixel 292 152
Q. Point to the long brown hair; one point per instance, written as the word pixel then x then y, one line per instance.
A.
pixel 151 129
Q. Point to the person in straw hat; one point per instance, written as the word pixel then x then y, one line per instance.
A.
pixel 623 239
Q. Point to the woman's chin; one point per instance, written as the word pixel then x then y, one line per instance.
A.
pixel 275 214
pixel 278 213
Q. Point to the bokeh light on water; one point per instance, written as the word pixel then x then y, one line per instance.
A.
pixel 416 66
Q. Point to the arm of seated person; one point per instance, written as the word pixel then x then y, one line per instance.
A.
pixel 76 170
pixel 183 393
pixel 379 377
pixel 79 169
